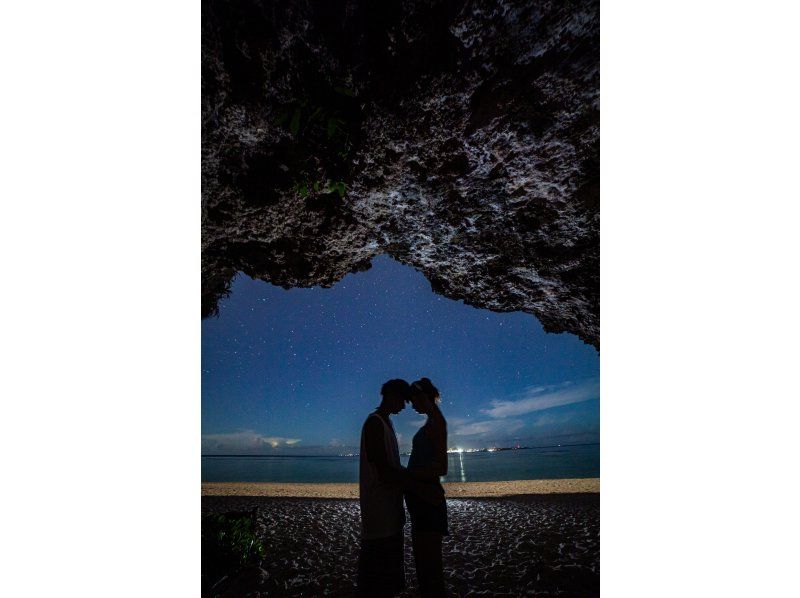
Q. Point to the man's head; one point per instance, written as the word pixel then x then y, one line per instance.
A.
pixel 395 393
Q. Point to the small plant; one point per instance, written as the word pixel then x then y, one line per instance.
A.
pixel 230 543
pixel 324 132
pixel 303 189
pixel 339 187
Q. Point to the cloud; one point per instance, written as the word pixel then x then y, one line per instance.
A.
pixel 552 420
pixel 545 397
pixel 244 441
pixel 492 426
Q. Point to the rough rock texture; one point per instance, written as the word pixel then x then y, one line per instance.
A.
pixel 459 137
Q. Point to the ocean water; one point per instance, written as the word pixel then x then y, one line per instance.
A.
pixel 555 462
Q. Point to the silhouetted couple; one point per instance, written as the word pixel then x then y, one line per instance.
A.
pixel 383 482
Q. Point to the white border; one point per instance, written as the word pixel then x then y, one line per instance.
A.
pixel 100 234
pixel 699 299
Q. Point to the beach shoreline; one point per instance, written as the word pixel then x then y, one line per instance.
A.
pixel 452 489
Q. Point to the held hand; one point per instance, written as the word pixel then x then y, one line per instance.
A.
pixel 430 493
pixel 435 496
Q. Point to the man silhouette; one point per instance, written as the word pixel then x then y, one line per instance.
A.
pixel 380 564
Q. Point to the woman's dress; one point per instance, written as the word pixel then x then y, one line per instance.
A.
pixel 426 516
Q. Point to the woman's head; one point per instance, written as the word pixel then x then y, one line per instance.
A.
pixel 424 396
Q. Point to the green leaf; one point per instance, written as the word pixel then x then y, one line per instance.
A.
pixel 314 115
pixel 294 126
pixel 344 91
pixel 332 124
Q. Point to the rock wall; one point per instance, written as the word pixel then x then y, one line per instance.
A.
pixel 459 137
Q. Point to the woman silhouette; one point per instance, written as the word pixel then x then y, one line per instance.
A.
pixel 427 463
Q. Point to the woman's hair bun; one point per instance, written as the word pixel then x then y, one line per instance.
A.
pixel 425 385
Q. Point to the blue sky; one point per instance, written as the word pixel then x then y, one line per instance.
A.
pixel 297 371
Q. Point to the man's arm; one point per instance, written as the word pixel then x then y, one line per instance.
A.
pixel 376 451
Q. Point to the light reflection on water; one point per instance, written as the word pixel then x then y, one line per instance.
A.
pixel 529 464
pixel 461 464
pixel 525 464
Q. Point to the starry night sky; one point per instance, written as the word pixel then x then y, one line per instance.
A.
pixel 297 371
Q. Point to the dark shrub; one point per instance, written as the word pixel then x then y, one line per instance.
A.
pixel 229 544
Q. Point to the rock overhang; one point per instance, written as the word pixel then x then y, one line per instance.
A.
pixel 460 138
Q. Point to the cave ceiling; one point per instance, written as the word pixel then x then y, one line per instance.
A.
pixel 461 138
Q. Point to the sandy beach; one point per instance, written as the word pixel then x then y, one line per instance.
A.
pixel 452 490
pixel 521 538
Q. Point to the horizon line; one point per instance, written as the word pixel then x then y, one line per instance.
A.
pixel 345 456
